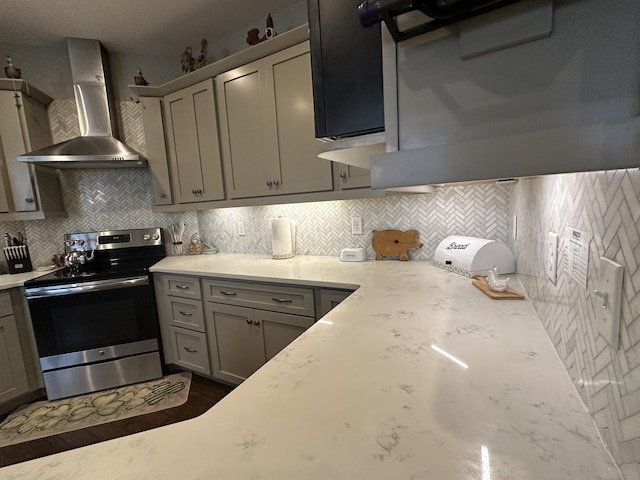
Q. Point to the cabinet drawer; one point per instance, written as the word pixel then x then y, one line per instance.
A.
pixel 187 313
pixel 5 304
pixel 191 350
pixel 276 298
pixel 187 287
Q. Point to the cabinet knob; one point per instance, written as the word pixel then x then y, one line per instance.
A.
pixel 193 191
pixel 29 200
pixel 163 195
pixel 343 175
pixel 276 182
pixel 248 322
pixel 256 322
pixel 269 183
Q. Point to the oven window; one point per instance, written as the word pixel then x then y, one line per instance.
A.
pixel 72 323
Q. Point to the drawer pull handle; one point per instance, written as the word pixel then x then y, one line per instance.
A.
pixel 183 287
pixel 228 294
pixel 282 300
pixel 191 350
pixel 186 314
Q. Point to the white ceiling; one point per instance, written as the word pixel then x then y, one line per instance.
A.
pixel 147 27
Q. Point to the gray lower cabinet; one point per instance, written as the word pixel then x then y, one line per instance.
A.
pixel 242 339
pixel 228 329
pixel 331 298
pixel 182 325
pixel 20 376
pixel 13 374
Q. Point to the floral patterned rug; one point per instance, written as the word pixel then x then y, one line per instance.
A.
pixel 41 419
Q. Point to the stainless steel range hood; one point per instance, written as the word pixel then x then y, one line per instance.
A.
pixel 97 146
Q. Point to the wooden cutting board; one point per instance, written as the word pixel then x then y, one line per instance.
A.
pixel 395 243
pixel 509 294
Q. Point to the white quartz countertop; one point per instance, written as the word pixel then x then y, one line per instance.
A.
pixel 8 280
pixel 364 394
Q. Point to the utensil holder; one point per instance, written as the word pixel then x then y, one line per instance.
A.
pixel 18 259
pixel 176 248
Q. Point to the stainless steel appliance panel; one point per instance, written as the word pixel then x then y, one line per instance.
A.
pixel 88 378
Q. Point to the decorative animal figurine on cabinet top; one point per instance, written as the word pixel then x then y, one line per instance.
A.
pixel 11 71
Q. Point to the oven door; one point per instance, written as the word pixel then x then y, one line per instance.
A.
pixel 93 321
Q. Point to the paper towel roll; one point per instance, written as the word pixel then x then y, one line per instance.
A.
pixel 282 238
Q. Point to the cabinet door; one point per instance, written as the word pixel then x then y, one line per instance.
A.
pixel 250 163
pixel 329 299
pixel 235 342
pixel 267 127
pixel 23 127
pixel 280 329
pixel 348 177
pixel 289 81
pixel 13 375
pixel 156 150
pixel 192 139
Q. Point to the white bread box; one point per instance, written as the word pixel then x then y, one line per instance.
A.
pixel 471 256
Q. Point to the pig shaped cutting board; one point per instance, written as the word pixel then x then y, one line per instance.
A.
pixel 395 243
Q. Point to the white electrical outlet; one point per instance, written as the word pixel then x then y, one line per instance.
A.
pixel 551 255
pixel 241 231
pixel 356 225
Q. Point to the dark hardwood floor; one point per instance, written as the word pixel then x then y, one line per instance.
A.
pixel 203 394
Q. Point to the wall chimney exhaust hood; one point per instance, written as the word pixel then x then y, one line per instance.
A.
pixel 533 88
pixel 96 147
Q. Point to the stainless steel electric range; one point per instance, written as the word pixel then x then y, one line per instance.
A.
pixel 95 322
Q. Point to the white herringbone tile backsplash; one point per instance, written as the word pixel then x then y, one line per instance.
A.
pixel 606 205
pixel 324 228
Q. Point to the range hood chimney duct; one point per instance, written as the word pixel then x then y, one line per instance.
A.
pixel 96 147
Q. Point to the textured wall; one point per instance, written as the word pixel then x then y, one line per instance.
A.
pixel 606 205
pixel 324 228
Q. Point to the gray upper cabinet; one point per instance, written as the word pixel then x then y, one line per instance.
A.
pixel 156 150
pixel 348 177
pixel 26 191
pixel 267 127
pixel 192 144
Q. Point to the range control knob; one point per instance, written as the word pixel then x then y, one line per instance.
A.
pixel 146 237
pixel 155 236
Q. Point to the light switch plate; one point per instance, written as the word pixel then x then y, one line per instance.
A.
pixel 608 298
pixel 551 259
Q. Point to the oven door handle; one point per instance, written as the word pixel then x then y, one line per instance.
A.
pixel 85 287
